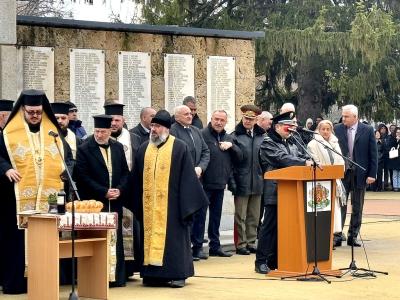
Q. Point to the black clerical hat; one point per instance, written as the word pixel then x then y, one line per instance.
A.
pixel 163 118
pixel 250 111
pixel 72 105
pixel 60 108
pixel 285 118
pixel 32 97
pixel 114 109
pixel 102 121
pixel 6 105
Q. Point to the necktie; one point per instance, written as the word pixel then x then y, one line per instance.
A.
pixel 189 132
pixel 249 133
pixel 350 141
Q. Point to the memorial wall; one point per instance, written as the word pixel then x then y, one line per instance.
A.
pixel 91 66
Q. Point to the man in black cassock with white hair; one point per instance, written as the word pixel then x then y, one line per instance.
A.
pixel 167 195
pixel 102 173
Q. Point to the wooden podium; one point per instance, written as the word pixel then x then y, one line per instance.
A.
pixel 296 222
pixel 45 249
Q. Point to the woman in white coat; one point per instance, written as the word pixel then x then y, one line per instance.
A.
pixel 325 157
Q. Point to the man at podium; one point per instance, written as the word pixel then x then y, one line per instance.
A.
pixel 275 153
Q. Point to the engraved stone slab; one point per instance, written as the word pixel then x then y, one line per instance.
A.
pixel 134 70
pixel 35 67
pixel 221 87
pixel 87 69
pixel 8 24
pixel 179 79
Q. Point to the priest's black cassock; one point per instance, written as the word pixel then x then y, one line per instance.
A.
pixel 185 196
pixel 12 259
pixel 92 178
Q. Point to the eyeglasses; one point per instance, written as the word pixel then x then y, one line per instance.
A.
pixel 34 112
pixel 73 110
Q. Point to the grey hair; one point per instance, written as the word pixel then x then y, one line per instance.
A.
pixel 287 107
pixel 220 111
pixel 188 99
pixel 178 109
pixel 265 115
pixel 351 108
pixel 143 111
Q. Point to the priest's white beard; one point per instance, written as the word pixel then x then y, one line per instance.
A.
pixel 157 140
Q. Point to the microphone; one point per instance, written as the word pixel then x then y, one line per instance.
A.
pixel 301 129
pixel 53 134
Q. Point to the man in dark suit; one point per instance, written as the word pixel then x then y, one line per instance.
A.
pixel 357 141
pixel 191 135
pixel 143 128
pixel 102 174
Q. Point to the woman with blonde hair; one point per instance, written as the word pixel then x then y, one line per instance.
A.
pixel 323 156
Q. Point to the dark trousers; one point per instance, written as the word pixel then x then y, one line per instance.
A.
pixel 198 228
pixel 216 198
pixel 377 185
pixel 267 248
pixel 13 260
pixel 357 202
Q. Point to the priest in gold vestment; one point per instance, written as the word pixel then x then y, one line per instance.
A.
pixel 167 193
pixel 31 168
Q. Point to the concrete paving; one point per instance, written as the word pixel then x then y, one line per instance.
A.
pixel 234 277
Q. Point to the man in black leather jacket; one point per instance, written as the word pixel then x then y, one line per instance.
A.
pixel 275 153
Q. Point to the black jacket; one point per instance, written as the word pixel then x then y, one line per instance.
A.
pixel 276 154
pixel 364 150
pixel 247 174
pixel 92 176
pixel 143 134
pixel 219 169
pixel 200 153
pixel 196 121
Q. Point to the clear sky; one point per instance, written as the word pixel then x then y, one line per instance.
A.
pixel 102 10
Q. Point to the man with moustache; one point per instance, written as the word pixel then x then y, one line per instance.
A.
pixel 30 170
pixel 166 196
pixel 131 143
pixel 143 128
pixel 191 135
pixel 102 174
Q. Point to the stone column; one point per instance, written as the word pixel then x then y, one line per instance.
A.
pixel 8 52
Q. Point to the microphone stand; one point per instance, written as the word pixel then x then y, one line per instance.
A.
pixel 73 295
pixel 316 274
pixel 352 267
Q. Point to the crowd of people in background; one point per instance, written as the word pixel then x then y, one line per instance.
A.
pixel 163 175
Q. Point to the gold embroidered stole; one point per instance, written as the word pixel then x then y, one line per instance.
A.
pixel 112 247
pixel 157 167
pixel 106 153
pixel 36 158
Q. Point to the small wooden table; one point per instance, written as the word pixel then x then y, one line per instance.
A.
pixel 45 248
